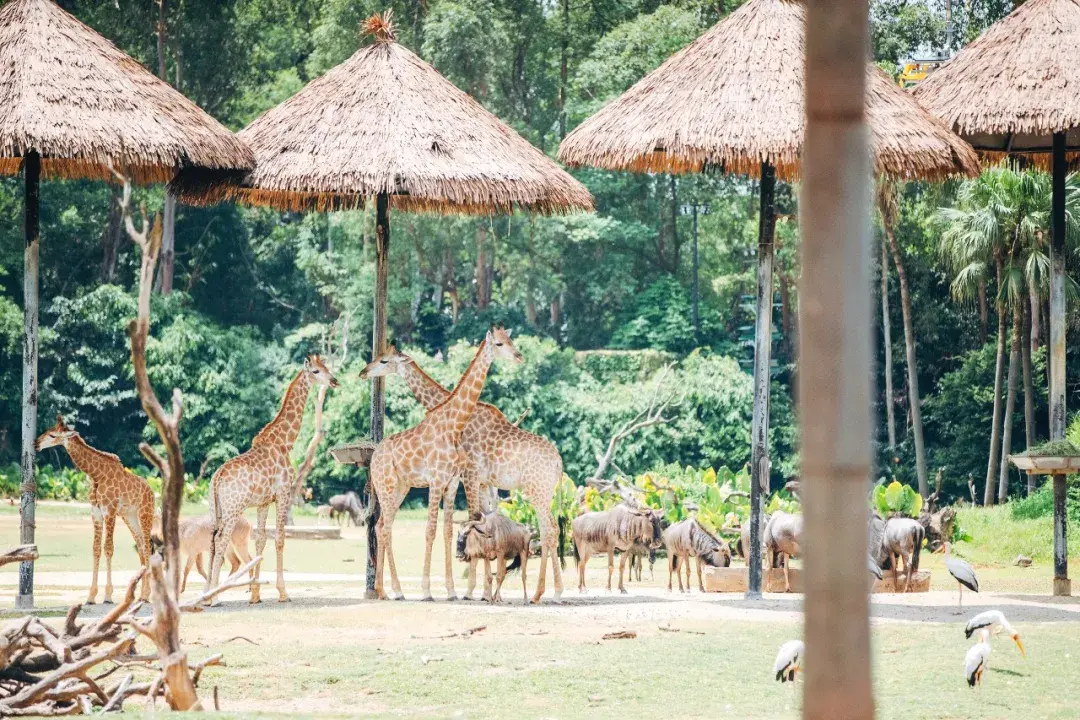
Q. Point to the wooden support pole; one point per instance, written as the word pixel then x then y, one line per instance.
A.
pixel 759 450
pixel 835 364
pixel 27 522
pixel 378 346
pixel 1057 354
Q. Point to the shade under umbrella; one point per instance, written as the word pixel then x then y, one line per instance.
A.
pixel 734 101
pixel 1015 91
pixel 73 105
pixel 386 125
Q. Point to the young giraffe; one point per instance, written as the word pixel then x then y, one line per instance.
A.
pixel 498 454
pixel 428 455
pixel 261 476
pixel 114 490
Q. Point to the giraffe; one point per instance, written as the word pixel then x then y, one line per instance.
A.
pixel 114 490
pixel 261 476
pixel 429 455
pixel 498 454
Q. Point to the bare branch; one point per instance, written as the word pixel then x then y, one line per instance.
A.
pixel 237 579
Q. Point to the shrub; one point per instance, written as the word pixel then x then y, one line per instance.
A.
pixel 896 499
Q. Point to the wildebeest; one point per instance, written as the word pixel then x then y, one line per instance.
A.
pixel 783 541
pixel 347 505
pixel 688 538
pixel 637 554
pixel 494 537
pixel 743 546
pixel 902 540
pixel 322 513
pixel 620 528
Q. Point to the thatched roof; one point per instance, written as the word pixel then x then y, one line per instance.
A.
pixel 81 103
pixel 385 121
pixel 1017 84
pixel 734 98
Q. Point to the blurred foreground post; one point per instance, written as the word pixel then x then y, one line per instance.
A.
pixel 835 362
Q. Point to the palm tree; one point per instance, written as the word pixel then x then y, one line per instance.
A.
pixel 1000 219
pixel 889 208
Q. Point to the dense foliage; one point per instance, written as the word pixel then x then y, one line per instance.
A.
pixel 599 302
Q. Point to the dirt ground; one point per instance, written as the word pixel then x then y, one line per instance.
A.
pixel 329 651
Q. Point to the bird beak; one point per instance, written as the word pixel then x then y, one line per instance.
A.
pixel 1019 645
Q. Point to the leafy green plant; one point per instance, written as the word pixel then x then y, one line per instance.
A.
pixel 896 499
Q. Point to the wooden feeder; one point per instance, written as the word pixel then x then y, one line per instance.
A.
pixel 735 580
pixel 356 453
pixel 1058 466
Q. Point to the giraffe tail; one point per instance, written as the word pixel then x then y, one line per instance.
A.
pixel 562 542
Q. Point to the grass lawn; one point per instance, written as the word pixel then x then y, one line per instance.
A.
pixel 329 652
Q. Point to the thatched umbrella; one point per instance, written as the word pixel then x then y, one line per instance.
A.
pixel 1016 92
pixel 734 101
pixel 386 125
pixel 72 105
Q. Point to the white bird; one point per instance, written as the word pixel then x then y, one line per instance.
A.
pixel 994 622
pixel 976 659
pixel 962 571
pixel 789 660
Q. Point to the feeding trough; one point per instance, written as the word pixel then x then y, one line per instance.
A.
pixel 355 453
pixel 735 580
pixel 308 532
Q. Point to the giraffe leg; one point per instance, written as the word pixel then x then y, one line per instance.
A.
pixel 99 523
pixel 218 551
pixel 435 495
pixel 282 506
pixel 549 542
pixel 471 481
pixel 390 513
pixel 134 523
pixel 260 545
pixel 110 529
pixel 199 566
pixel 380 554
pixel 146 525
pixel 448 538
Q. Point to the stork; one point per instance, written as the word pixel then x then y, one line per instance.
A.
pixel 977 658
pixel 993 622
pixel 789 660
pixel 962 571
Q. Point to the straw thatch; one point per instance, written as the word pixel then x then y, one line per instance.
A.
pixel 384 121
pixel 1016 85
pixel 734 98
pixel 82 104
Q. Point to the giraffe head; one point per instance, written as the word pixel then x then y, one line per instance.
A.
pixel 498 342
pixel 388 363
pixel 58 434
pixel 319 372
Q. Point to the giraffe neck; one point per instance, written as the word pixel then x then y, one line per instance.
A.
pixel 459 407
pixel 285 427
pixel 430 393
pixel 90 461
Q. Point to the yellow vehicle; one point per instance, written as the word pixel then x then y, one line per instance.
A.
pixel 915 71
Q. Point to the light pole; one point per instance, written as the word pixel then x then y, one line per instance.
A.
pixel 692 210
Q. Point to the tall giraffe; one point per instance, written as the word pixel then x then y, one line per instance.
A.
pixel 428 455
pixel 498 454
pixel 261 476
pixel 114 490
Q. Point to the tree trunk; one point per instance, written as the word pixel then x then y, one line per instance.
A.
pixel 164 282
pixel 674 267
pixel 483 292
pixel 378 346
pixel 1029 395
pixel 983 313
pixel 886 331
pixel 912 367
pixel 1034 321
pixel 1010 403
pixel 28 487
pixel 564 66
pixel 110 240
pixel 999 372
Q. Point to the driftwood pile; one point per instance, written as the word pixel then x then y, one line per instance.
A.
pixel 75 668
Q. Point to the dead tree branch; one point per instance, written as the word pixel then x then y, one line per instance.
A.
pixel 661 400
